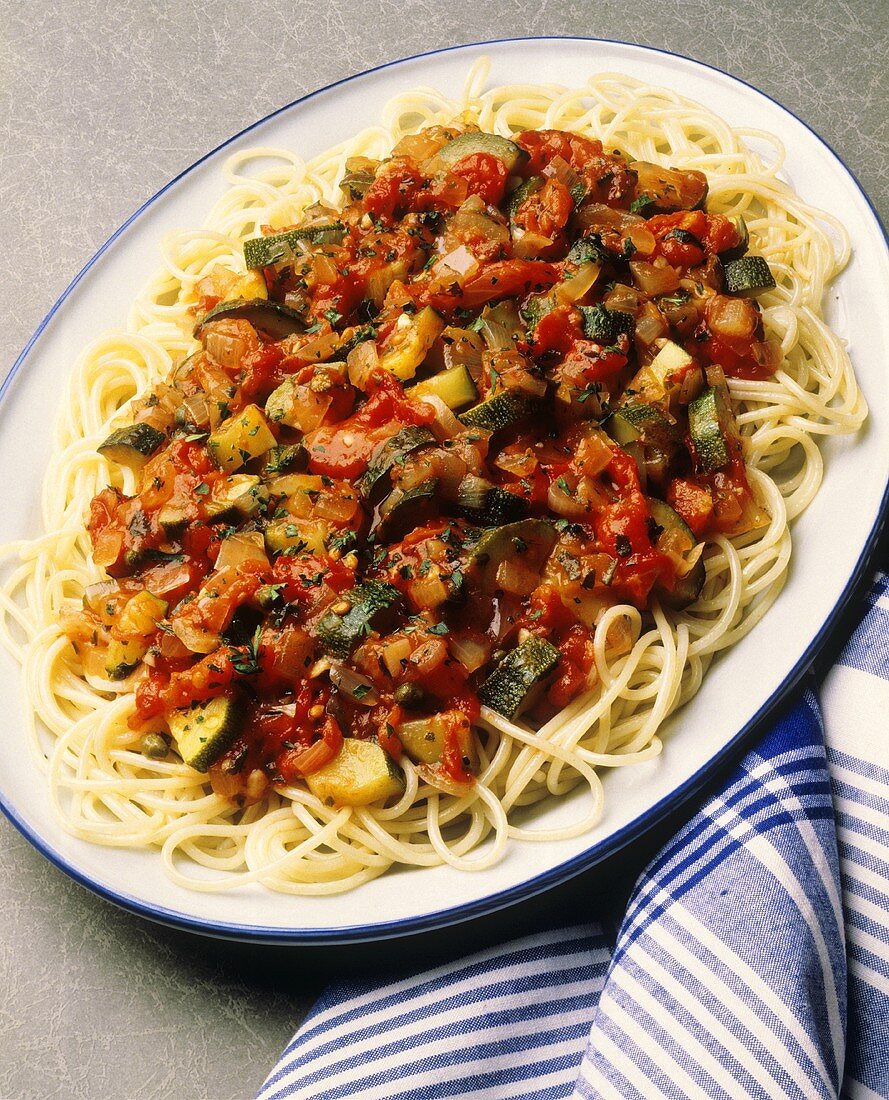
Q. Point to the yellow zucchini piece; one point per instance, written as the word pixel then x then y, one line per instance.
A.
pixel 241 438
pixel 296 535
pixel 123 657
pixel 424 741
pixel 362 773
pixel 410 342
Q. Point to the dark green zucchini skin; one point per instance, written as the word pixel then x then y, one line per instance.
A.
pixel 402 512
pixel 686 589
pixel 605 325
pixel 464 145
pixel 499 412
pixel 374 481
pixel 515 682
pixel 711 426
pixel 132 445
pixel 274 318
pixel 339 634
pixel 496 507
pixel 748 275
pixel 264 251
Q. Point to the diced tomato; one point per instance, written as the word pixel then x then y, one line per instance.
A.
pixel 543 145
pixel 394 188
pixel 547 210
pixel 694 503
pixel 485 176
pixel 503 279
pixel 713 232
pixel 745 358
pixel 557 330
pixel 293 764
pixel 304 575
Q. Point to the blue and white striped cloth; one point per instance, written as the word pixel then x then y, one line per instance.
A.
pixel 752 961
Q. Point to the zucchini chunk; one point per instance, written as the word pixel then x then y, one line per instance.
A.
pixel 711 425
pixel 205 730
pixel 424 741
pixel 132 446
pixel 524 191
pixel 686 589
pixel 488 505
pixel 359 774
pixel 292 535
pixel 512 155
pixel 374 481
pixel 656 382
pixel 748 275
pixel 123 657
pixel 410 342
pixel 265 251
pixel 500 411
pixel 535 309
pixel 339 633
pixel 241 493
pixel 533 539
pixel 242 437
pixel 273 318
pixel 605 325
pixel 455 387
pixel 521 675
pixel 643 423
pixel 289 459
pixel 738 250
pixel 402 512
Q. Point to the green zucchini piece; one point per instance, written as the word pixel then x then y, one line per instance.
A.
pixel 512 155
pixel 503 410
pixel 273 318
pixel 532 538
pixel 748 275
pixel 535 309
pixel 123 657
pixel 359 774
pixel 738 250
pixel 132 446
pixel 402 512
pixel 711 425
pixel 454 386
pixel 488 505
pixel 521 675
pixel 655 382
pixel 424 741
pixel 374 481
pixel 205 730
pixel 264 251
pixel 605 325
pixel 241 493
pixel 292 458
pixel 645 423
pixel 524 191
pixel 686 589
pixel 338 634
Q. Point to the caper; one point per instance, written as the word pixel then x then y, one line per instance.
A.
pixel 153 746
pixel 409 695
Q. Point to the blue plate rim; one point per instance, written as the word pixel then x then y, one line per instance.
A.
pixel 584 861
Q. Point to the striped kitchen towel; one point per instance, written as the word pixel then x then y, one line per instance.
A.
pixel 752 961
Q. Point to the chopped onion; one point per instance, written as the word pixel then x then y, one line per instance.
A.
pixel 171 648
pixel 654 278
pixel 573 289
pixel 514 576
pixel 362 363
pixel 562 503
pixel 472 651
pixel 395 655
pixel 525 382
pixel 240 547
pixel 441 782
pixel 286 652
pixel 226 350
pixel 353 684
pixel 95 596
pixel 195 639
pixel 496 336
pixel 319 349
pixel 472 492
pixel 527 245
pixel 650 325
pixel 445 425
pixel 460 260
pixel 735 318
pixel 197 410
pixel 623 297
pixel 379 281
pixel 428 592
pixel 430 656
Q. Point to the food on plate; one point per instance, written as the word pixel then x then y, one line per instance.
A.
pixel 429 479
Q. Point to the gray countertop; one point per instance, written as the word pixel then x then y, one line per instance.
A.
pixel 101 104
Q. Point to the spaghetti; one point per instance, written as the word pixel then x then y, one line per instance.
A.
pixel 643 664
